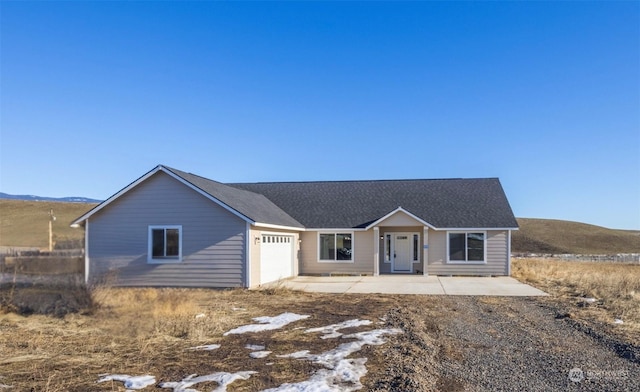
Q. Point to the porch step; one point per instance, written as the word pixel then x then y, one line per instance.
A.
pixel 342 273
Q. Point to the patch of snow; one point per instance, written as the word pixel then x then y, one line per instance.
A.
pixel 130 382
pixel 259 354
pixel 589 300
pixel 296 355
pixel 268 323
pixel 341 374
pixel 200 315
pixel 331 331
pixel 222 378
pixel 208 347
pixel 237 309
pixel 618 321
pixel 254 347
pixel 5 386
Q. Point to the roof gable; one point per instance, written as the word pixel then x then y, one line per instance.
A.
pixel 251 207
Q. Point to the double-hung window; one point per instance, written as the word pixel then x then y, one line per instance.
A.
pixel 165 244
pixel 336 247
pixel 466 247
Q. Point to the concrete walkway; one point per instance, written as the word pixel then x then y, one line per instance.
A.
pixel 412 284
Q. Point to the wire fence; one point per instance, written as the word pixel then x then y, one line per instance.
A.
pixel 628 258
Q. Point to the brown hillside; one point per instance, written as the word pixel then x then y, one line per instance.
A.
pixel 557 236
pixel 26 223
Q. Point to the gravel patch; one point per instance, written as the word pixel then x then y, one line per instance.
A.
pixel 507 344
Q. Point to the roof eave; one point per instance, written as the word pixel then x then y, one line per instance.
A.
pixel 279 227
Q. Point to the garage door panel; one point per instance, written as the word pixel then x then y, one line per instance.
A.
pixel 276 257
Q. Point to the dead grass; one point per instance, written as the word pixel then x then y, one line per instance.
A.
pixel 615 287
pixel 558 236
pixel 26 223
pixel 149 331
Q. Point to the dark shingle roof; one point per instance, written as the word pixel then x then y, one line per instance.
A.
pixel 448 203
pixel 252 205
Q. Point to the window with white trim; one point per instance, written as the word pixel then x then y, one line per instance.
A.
pixel 165 244
pixel 336 247
pixel 467 247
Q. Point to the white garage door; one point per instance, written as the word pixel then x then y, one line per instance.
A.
pixel 276 257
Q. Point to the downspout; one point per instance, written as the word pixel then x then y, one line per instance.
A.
pixel 425 250
pixel 86 251
pixel 247 257
pixel 508 252
pixel 376 251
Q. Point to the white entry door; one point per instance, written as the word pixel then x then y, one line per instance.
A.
pixel 402 258
pixel 276 257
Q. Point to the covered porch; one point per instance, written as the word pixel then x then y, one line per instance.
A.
pixel 401 244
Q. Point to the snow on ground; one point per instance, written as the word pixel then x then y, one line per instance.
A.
pixel 268 323
pixel 259 354
pixel 208 347
pixel 340 374
pixel 222 378
pixel 130 382
pixel 331 331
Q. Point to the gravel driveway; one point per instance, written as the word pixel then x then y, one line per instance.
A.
pixel 509 344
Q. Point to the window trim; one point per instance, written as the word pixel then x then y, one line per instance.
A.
pixel 163 260
pixel 466 249
pixel 335 232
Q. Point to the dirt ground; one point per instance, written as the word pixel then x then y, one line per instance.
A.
pixel 448 343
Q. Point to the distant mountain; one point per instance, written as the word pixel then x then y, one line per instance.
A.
pixel 71 199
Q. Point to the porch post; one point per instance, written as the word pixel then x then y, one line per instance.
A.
pixel 376 251
pixel 425 249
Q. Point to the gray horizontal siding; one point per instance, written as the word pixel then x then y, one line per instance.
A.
pixel 213 238
pixel 497 256
pixel 362 255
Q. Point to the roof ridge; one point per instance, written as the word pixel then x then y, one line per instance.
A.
pixel 354 181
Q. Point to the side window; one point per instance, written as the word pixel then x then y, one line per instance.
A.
pixel 165 244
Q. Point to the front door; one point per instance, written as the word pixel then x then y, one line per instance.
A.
pixel 402 257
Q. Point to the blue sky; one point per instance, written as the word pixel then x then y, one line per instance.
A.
pixel 543 95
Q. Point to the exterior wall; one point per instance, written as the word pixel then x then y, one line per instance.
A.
pixel 362 255
pixel 385 268
pixel 256 232
pixel 497 256
pixel 213 239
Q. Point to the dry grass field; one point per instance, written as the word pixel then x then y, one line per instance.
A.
pixel 613 288
pixel 557 236
pixel 26 223
pixel 149 331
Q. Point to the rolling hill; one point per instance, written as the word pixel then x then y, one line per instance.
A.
pixel 26 223
pixel 558 236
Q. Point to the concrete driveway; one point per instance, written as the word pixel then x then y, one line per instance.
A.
pixel 412 284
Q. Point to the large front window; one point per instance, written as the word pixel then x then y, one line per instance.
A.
pixel 467 247
pixel 335 246
pixel 165 244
